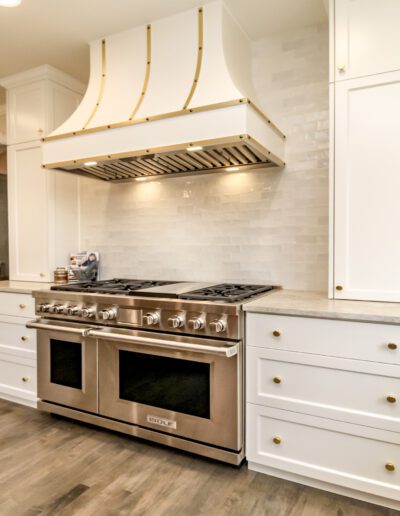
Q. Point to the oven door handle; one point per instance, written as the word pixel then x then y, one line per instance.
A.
pixel 38 325
pixel 227 351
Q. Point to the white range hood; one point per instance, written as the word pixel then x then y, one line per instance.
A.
pixel 182 82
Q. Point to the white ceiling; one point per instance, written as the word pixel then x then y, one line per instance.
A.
pixel 56 32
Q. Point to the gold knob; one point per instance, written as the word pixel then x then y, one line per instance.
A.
pixel 392 345
pixel 25 378
pixel 277 440
pixel 42 274
pixel 339 287
pixel 341 67
pixel 277 379
pixel 24 338
pixel 40 130
pixel 276 333
pixel 22 306
pixel 391 399
pixel 389 466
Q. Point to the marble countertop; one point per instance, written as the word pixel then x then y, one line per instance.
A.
pixel 317 304
pixel 23 287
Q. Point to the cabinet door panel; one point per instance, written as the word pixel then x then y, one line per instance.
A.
pixel 367 188
pixel 367 37
pixel 28 214
pixel 26 113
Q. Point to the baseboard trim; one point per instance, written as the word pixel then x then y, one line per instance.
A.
pixel 324 486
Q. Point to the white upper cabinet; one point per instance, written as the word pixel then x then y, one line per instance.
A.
pixel 367 37
pixel 38 101
pixel 43 204
pixel 367 188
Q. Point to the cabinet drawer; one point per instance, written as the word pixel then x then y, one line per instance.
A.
pixel 339 453
pixel 348 390
pixel 20 305
pixel 14 334
pixel 17 377
pixel 347 339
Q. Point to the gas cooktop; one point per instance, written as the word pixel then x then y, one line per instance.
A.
pixel 226 292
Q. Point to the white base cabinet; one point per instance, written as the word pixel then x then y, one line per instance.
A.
pixel 322 404
pixel 18 379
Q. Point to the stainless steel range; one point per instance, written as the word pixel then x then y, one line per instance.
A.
pixel 158 360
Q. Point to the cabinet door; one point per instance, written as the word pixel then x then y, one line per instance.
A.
pixel 28 194
pixel 367 37
pixel 26 113
pixel 367 188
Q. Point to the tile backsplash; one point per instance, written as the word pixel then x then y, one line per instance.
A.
pixel 266 226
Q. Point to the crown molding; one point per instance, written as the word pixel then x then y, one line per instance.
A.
pixel 41 73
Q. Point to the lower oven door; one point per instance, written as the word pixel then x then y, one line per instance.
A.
pixel 66 364
pixel 183 386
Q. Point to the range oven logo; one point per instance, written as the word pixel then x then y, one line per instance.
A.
pixel 161 421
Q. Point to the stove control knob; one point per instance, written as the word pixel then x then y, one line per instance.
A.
pixel 108 314
pixel 72 310
pixel 53 309
pixel 151 318
pixel 218 326
pixel 176 321
pixel 44 308
pixel 88 313
pixel 196 323
pixel 58 309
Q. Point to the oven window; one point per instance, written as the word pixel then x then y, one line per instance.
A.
pixel 173 384
pixel 66 363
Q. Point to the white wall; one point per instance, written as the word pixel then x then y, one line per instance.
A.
pixel 260 226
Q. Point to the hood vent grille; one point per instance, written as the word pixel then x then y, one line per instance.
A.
pixel 238 155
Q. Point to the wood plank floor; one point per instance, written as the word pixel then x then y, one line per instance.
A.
pixel 52 466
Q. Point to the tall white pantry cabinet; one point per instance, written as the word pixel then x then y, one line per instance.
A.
pixel 43 206
pixel 365 157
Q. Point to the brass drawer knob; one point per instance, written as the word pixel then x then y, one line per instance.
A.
pixel 40 130
pixel 392 346
pixel 276 333
pixel 277 440
pixel 42 274
pixel 24 338
pixel 391 399
pixel 389 466
pixel 22 306
pixel 341 67
pixel 339 287
pixel 277 379
pixel 25 379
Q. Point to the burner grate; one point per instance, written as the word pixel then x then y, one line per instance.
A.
pixel 228 292
pixel 113 286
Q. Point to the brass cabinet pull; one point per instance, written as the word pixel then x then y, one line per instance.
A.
pixel 24 338
pixel 341 67
pixel 40 130
pixel 22 306
pixel 42 274
pixel 25 379
pixel 389 466
pixel 391 399
pixel 277 440
pixel 392 345
pixel 276 333
pixel 277 379
pixel 339 287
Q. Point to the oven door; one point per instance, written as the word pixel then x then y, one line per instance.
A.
pixel 184 386
pixel 67 364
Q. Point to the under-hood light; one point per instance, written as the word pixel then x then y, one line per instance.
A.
pixel 195 148
pixel 90 163
pixel 140 178
pixel 232 169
